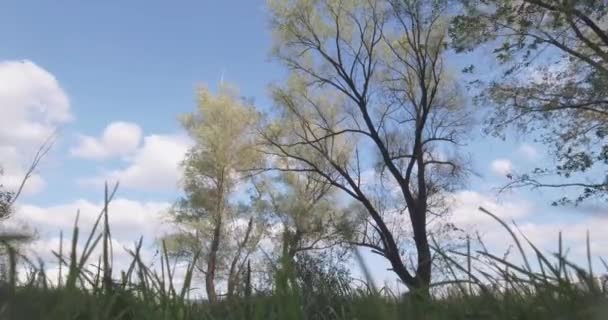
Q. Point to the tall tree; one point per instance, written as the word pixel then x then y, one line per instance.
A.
pixel 222 129
pixel 554 56
pixel 367 78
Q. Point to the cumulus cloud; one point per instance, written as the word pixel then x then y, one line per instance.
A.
pixel 466 211
pixel 154 165
pixel 541 226
pixel 501 167
pixel 573 234
pixel 33 105
pixel 12 181
pixel 544 235
pixel 46 248
pixel 118 139
pixel 14 162
pixel 467 216
pixel 129 219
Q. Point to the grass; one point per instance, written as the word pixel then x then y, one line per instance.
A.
pixel 486 286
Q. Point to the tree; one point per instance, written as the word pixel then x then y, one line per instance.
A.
pixel 222 129
pixel 553 84
pixel 304 206
pixel 6 197
pixel 368 78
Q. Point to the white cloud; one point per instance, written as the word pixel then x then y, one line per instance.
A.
pixel 528 151
pixel 118 139
pixel 467 216
pixel 45 249
pixel 32 101
pixel 155 165
pixel 544 235
pixel 501 167
pixel 13 160
pixel 539 225
pixel 33 105
pixel 466 206
pixel 129 219
pixel 12 181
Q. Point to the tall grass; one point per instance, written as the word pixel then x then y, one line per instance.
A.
pixel 486 286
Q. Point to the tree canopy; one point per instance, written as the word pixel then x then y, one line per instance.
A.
pixel 211 224
pixel 553 85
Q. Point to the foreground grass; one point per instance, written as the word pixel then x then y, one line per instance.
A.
pixel 36 303
pixel 485 287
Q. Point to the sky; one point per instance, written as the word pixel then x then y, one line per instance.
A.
pixel 115 75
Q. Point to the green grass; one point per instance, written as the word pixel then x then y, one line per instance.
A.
pixel 486 286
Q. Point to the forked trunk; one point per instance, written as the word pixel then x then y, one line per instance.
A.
pixel 235 268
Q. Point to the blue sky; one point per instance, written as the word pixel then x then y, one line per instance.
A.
pixel 138 63
pixel 141 62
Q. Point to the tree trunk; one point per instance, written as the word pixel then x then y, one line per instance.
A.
pixel 215 243
pixel 423 271
pixel 212 261
pixel 421 280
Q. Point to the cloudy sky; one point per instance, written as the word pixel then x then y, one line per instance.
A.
pixel 114 76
